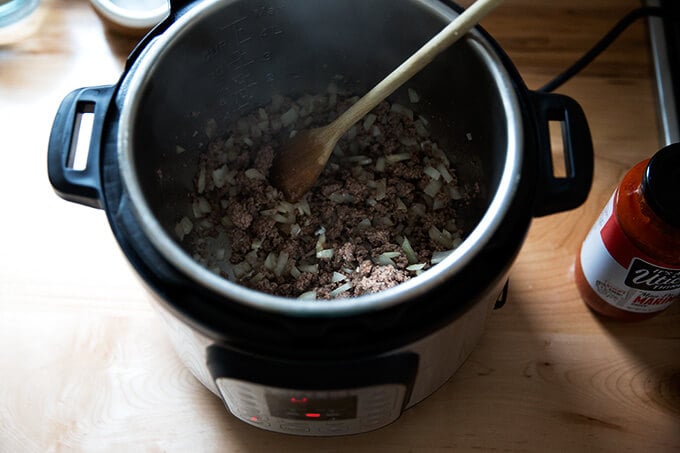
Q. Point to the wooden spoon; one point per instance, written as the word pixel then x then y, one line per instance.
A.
pixel 301 160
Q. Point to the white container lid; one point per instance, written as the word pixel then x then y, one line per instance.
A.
pixel 132 14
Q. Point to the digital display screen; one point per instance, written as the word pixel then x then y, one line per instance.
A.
pixel 301 407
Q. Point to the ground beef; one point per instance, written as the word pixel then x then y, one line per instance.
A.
pixel 388 185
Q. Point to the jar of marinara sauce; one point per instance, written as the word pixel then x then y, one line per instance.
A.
pixel 628 267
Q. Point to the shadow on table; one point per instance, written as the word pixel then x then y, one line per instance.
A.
pixel 655 343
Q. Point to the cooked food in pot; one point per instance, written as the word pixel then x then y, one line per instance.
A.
pixel 382 211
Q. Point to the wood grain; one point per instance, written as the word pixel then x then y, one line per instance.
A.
pixel 85 364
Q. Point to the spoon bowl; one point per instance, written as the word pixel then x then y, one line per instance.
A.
pixel 300 161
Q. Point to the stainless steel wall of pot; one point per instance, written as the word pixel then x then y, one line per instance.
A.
pixel 360 360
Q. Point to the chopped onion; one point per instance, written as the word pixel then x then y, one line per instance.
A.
pixel 381 189
pixel 295 272
pixel 390 254
pixel 303 207
pixel 251 257
pixel 268 212
pixel 366 223
pixel 432 188
pixel 432 172
pixel 368 121
pixel 398 108
pixel 400 205
pixel 270 261
pixel 200 184
pixel 248 142
pixel 468 136
pixel 309 268
pixel 375 131
pixel 309 295
pixel 454 193
pixel 421 130
pixel 320 231
pixel 442 238
pixel 258 278
pixel 219 176
pixel 415 267
pixel 325 254
pixel 408 141
pixel 337 277
pixel 295 229
pixel 280 218
pixel 219 253
pixel 263 113
pixel 380 164
pixel 289 117
pixel 263 126
pixel 341 289
pixel 360 160
pixel 183 227
pixel 285 207
pixel 383 221
pixel 409 252
pixel 398 157
pixel 201 207
pixel 445 173
pixel 384 260
pixel 413 96
pixel 281 263
pixel 456 242
pixel 341 198
pixel 179 149
pixel 253 173
pixel 438 152
pixel 438 204
pixel 241 269
pixel 438 257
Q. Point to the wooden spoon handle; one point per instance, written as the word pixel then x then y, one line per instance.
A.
pixel 450 34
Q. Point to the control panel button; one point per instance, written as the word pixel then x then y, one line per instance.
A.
pixel 297 428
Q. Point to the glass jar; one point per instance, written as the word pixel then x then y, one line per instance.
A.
pixel 628 267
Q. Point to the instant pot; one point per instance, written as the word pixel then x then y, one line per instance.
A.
pixel 317 367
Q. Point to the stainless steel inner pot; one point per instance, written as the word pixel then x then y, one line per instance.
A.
pixel 221 59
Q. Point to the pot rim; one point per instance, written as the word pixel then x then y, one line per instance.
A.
pixel 142 71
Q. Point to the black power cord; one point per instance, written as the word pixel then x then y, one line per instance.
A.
pixel 602 44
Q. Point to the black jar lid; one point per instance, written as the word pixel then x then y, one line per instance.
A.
pixel 661 184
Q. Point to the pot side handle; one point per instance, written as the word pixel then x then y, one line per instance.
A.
pixel 557 194
pixel 78 185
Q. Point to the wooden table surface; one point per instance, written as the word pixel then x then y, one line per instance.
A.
pixel 86 366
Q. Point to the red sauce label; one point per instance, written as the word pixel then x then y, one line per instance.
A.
pixel 623 275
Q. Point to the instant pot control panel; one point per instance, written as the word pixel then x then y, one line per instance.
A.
pixel 313 412
pixel 312 398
